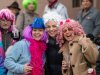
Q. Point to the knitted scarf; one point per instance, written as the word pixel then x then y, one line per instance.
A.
pixel 2 57
pixel 37 50
pixel 52 4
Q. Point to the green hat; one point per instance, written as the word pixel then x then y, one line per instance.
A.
pixel 25 3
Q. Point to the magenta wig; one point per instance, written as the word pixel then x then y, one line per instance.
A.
pixel 69 23
pixel 8 15
pixel 37 24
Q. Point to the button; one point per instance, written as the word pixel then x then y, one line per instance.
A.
pixel 71 44
pixel 73 65
pixel 70 53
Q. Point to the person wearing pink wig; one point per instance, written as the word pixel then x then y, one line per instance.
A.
pixel 79 52
pixel 7 29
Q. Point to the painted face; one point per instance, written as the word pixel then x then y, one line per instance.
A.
pixel 86 4
pixel 37 33
pixel 51 28
pixel 68 33
pixel 5 24
pixel 30 6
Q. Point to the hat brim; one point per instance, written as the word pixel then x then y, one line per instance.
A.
pixel 13 7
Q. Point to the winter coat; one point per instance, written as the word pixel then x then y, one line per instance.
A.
pixel 73 53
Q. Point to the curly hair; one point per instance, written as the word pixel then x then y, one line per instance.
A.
pixel 8 15
pixel 69 23
pixel 25 3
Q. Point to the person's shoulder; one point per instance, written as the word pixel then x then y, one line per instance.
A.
pixel 21 42
pixel 60 4
pixel 93 9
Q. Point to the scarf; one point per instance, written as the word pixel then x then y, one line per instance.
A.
pixel 52 4
pixel 1 46
pixel 37 50
pixel 2 57
pixel 2 53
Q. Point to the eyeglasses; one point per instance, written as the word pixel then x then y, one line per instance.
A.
pixel 4 20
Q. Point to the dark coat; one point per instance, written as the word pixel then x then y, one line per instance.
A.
pixel 54 59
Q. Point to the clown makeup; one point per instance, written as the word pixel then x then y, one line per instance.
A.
pixel 68 33
pixel 5 24
pixel 37 33
pixel 51 28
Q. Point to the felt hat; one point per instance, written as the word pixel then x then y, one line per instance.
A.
pixel 14 5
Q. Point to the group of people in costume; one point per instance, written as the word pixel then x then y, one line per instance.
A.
pixel 48 45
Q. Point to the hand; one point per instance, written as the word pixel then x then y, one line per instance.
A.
pixel 27 69
pixel 83 41
pixel 65 65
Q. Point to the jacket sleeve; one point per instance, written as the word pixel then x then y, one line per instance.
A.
pixel 11 59
pixel 66 12
pixel 20 22
pixel 2 68
pixel 90 52
pixel 96 31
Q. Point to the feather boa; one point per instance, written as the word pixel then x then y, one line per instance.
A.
pixel 37 50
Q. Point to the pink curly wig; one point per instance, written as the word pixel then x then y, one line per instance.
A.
pixel 69 23
pixel 8 15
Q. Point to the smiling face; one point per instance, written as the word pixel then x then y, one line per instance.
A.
pixel 5 24
pixel 68 33
pixel 51 28
pixel 86 4
pixel 37 33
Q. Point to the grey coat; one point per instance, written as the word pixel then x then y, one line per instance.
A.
pixel 90 21
pixel 24 19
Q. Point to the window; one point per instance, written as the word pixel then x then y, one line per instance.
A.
pixel 76 3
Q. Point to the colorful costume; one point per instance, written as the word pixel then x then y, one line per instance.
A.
pixel 27 50
pixel 5 38
pixel 79 52
pixel 53 66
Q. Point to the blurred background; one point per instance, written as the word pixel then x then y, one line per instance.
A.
pixel 73 6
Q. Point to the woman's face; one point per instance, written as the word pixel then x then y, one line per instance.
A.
pixel 37 33
pixel 86 4
pixel 51 28
pixel 5 24
pixel 30 6
pixel 68 33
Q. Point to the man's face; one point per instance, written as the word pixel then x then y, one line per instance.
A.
pixel 5 24
pixel 31 6
pixel 86 4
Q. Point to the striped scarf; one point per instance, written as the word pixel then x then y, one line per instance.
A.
pixel 2 57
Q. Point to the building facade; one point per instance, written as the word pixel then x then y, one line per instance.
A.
pixel 73 6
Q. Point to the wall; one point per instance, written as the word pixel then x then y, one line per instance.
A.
pixel 41 4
